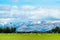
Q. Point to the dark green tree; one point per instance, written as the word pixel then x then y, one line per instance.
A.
pixel 9 30
pixel 55 30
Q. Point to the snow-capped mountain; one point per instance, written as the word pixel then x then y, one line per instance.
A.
pixel 26 26
pixel 42 26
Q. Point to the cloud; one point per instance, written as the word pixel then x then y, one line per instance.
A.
pixel 5 7
pixel 55 13
pixel 27 7
pixel 29 12
pixel 5 20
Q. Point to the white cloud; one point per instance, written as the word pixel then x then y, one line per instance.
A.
pixel 55 13
pixel 27 7
pixel 30 12
pixel 5 7
pixel 5 20
pixel 46 12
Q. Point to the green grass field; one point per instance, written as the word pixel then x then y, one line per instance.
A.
pixel 31 36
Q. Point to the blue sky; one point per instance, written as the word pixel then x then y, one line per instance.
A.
pixel 30 9
pixel 31 2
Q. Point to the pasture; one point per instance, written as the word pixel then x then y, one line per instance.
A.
pixel 29 36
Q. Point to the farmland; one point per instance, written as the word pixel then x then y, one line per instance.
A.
pixel 29 36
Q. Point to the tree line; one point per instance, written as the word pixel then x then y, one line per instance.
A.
pixel 8 30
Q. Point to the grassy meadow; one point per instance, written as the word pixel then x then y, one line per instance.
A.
pixel 29 36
